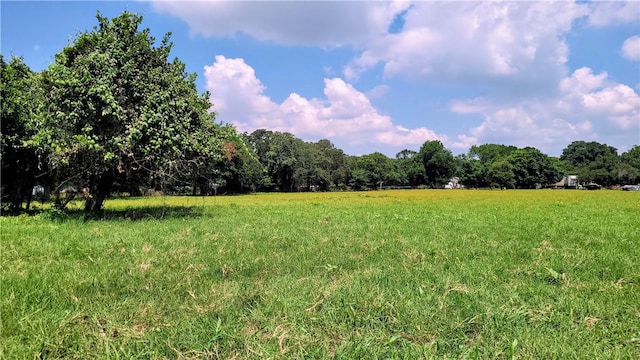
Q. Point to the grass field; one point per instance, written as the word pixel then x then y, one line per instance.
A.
pixel 546 274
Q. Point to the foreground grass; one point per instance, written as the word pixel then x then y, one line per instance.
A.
pixel 392 274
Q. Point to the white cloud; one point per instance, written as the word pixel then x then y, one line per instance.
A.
pixel 465 42
pixel 455 41
pixel 614 107
pixel 236 88
pixel 589 106
pixel 474 42
pixel 464 142
pixel 603 13
pixel 321 23
pixel 377 92
pixel 619 103
pixel 472 106
pixel 344 114
pixel 522 126
pixel 514 53
pixel 581 81
pixel 618 99
pixel 516 44
pixel 631 48
pixel 399 136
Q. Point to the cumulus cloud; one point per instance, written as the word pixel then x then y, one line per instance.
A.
pixel 581 81
pixel 320 23
pixel 590 106
pixel 523 126
pixel 377 92
pixel 514 53
pixel 469 42
pixel 516 44
pixel 631 48
pixel 603 13
pixel 522 41
pixel 464 142
pixel 612 106
pixel 344 114
pixel 236 88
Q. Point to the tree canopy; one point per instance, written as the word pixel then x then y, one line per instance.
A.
pixel 438 162
pixel 115 105
pixel 593 161
pixel 18 95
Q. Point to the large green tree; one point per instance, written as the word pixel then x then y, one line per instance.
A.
pixel 602 170
pixel 282 155
pixel 494 165
pixel 471 171
pixel 320 166
pixel 592 161
pixel 372 171
pixel 115 105
pixel 500 173
pixel 410 167
pixel 488 153
pixel 19 94
pixel 629 169
pixel 240 169
pixel 439 163
pixel 331 165
pixel 532 168
pixel 476 168
pixel 581 153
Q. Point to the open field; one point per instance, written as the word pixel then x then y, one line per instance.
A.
pixel 389 274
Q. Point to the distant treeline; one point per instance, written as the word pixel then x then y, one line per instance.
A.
pixel 290 164
pixel 112 114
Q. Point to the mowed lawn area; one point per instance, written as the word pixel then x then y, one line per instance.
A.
pixel 409 274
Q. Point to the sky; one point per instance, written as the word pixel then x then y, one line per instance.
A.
pixel 386 76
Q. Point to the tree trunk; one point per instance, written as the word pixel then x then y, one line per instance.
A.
pixel 98 193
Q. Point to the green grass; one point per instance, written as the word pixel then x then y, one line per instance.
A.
pixel 391 274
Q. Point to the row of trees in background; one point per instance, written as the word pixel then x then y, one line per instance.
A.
pixel 114 114
pixel 294 165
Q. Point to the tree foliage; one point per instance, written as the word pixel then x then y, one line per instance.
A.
pixel 470 171
pixel 488 153
pixel 438 162
pixel 629 169
pixel 19 92
pixel 592 161
pixel 115 105
pixel 372 171
pixel 532 168
pixel 411 168
pixel 581 153
pixel 500 173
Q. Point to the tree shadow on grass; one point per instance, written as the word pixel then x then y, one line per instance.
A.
pixel 135 213
pixel 154 213
pixel 151 213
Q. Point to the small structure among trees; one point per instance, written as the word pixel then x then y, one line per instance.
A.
pixel 567 182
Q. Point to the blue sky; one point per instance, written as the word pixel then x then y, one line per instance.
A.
pixel 387 76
